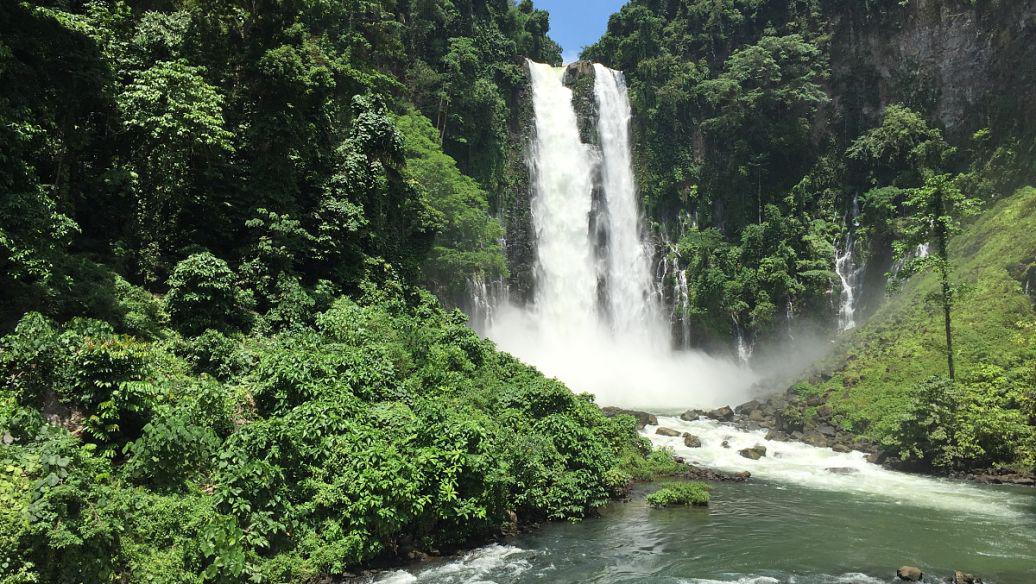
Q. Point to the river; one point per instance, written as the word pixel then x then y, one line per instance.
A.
pixel 794 522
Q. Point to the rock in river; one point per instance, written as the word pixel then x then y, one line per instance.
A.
pixel 691 441
pixel 964 578
pixel 724 414
pixel 643 418
pixel 910 574
pixel 755 453
pixel 692 415
pixel 669 432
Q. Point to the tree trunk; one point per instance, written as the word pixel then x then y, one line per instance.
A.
pixel 941 236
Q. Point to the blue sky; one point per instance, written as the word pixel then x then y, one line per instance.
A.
pixel 577 23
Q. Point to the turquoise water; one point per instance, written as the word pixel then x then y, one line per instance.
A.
pixel 793 523
pixel 754 533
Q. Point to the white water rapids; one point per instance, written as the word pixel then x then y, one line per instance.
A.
pixel 595 322
pixel 823 468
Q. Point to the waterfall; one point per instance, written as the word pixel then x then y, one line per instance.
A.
pixel 681 304
pixel 562 169
pixel 595 320
pixel 631 302
pixel 848 273
pixel 744 348
pixel 921 251
pixel 484 298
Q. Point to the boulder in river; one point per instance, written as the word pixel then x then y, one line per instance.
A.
pixel 754 453
pixel 724 414
pixel 964 578
pixel 691 441
pixel 910 574
pixel 692 415
pixel 668 432
pixel 643 418
pixel 747 407
pixel 842 470
pixel 842 448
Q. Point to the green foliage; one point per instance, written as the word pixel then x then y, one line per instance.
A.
pixel 387 423
pixel 188 187
pixel 778 262
pixel 881 384
pixel 175 121
pixel 467 240
pixel 170 451
pixel 951 426
pixel 684 494
pixel 134 138
pixel 900 150
pixel 203 294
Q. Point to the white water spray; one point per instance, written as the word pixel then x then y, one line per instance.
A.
pixel 562 168
pixel 613 342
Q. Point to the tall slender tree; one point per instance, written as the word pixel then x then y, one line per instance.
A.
pixel 936 210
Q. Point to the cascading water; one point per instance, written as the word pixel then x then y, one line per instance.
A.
pixel 631 302
pixel 613 341
pixel 562 169
pixel 681 304
pixel 848 273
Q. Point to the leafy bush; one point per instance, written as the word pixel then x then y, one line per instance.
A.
pixel 171 452
pixel 203 294
pixel 213 353
pixel 687 493
pixel 386 425
pixel 960 425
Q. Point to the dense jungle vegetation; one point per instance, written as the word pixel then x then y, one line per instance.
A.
pixel 218 362
pixel 228 231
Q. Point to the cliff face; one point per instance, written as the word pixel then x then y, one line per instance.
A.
pixel 967 66
pixel 515 210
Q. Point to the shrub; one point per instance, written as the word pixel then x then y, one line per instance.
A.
pixel 214 353
pixel 30 359
pixel 673 494
pixel 171 452
pixel 203 294
pixel 142 313
pixel 968 424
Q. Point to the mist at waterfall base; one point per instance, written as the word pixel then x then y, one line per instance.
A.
pixel 595 321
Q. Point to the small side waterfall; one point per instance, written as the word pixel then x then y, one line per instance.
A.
pixel 848 272
pixel 744 347
pixel 595 320
pixel 681 306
